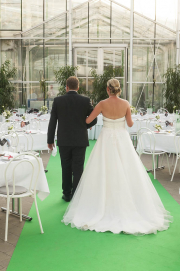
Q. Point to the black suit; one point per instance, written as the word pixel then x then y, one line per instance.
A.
pixel 71 111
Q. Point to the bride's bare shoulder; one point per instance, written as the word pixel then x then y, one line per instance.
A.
pixel 104 101
pixel 124 101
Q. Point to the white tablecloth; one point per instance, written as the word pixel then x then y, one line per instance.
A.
pixel 164 142
pixel 23 174
pixel 39 142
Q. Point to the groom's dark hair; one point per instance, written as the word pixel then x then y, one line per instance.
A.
pixel 72 82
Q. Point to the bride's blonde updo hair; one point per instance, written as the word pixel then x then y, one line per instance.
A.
pixel 114 86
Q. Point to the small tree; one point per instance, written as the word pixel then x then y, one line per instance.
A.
pixel 7 89
pixel 172 88
pixel 100 82
pixel 62 75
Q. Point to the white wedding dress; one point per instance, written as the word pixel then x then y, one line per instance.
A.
pixel 115 192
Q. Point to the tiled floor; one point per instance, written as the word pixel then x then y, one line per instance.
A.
pixel 15 227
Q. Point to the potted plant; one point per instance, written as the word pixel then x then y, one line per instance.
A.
pixel 100 82
pixel 171 89
pixel 7 89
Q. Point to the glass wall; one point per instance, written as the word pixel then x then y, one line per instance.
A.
pixel 34 36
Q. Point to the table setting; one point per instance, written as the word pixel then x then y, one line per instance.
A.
pixel 23 173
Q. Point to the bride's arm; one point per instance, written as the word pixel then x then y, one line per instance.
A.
pixel 128 117
pixel 97 110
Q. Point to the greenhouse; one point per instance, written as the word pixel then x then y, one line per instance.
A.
pixel 140 37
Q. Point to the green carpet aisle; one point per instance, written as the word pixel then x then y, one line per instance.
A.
pixel 67 249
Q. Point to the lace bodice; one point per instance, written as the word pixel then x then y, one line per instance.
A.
pixel 115 124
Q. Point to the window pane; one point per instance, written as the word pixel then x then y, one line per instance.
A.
pixel 10 14
pixel 145 7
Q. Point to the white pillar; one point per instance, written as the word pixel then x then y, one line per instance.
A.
pixel 131 50
pixel 70 32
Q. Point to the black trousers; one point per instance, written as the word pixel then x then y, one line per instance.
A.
pixel 72 163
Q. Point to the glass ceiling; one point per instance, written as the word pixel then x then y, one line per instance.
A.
pixel 34 36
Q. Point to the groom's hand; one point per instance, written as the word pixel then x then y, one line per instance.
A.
pixel 50 146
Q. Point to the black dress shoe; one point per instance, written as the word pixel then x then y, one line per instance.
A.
pixel 67 198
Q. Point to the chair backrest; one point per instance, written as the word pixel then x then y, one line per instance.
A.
pixel 27 141
pixel 17 125
pixel 142 111
pixel 151 140
pixel 162 111
pixel 34 125
pixel 138 124
pixel 11 167
pixel 31 146
pixel 177 142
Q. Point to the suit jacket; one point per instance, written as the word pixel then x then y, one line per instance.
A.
pixel 70 110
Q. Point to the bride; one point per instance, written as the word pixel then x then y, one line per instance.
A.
pixel 115 192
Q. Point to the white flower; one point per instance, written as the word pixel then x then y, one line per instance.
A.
pixel 4 114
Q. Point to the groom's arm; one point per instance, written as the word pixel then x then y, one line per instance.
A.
pixel 52 124
pixel 90 109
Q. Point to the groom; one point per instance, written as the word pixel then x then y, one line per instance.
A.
pixel 70 110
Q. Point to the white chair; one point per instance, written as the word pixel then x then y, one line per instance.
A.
pixel 34 125
pixel 13 191
pixel 151 150
pixel 162 111
pixel 177 147
pixel 133 135
pixel 31 147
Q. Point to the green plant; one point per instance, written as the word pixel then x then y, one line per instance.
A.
pixel 63 74
pixel 100 82
pixel 171 89
pixel 148 103
pixel 7 89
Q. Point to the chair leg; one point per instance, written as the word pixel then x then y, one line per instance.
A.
pixel 37 211
pixel 162 159
pixel 168 164
pixel 174 169
pixel 20 209
pixel 154 167
pixel 7 218
pixel 172 160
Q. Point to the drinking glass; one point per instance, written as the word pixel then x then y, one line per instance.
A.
pixel 22 147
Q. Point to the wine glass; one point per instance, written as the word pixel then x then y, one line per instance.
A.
pixel 22 147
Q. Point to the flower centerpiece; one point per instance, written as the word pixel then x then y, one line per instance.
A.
pixel 44 109
pixel 24 117
pixel 10 128
pixel 7 114
pixel 158 127
pixel 157 117
pixel 133 110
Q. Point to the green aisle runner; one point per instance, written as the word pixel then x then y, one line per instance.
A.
pixel 67 249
